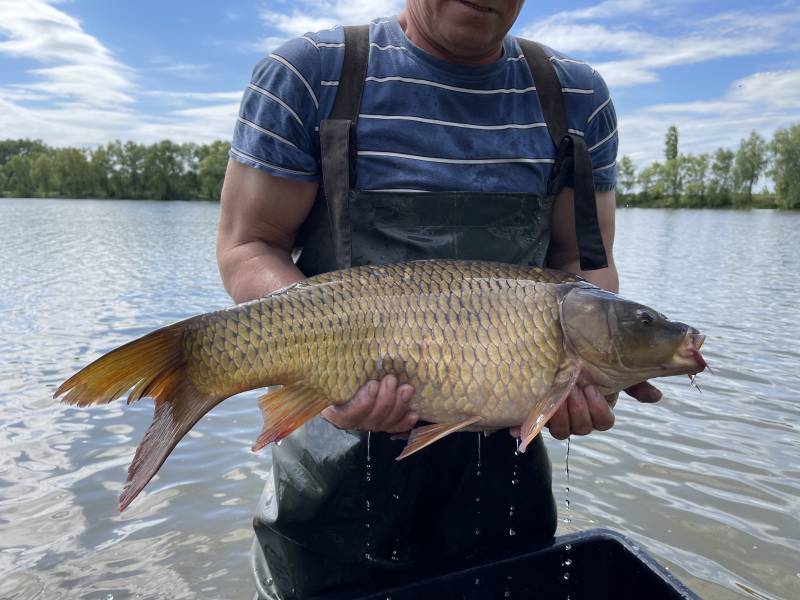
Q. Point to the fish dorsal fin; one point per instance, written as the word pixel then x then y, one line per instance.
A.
pixel 287 408
pixel 428 434
pixel 565 380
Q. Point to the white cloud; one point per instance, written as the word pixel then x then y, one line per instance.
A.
pixel 81 67
pixel 83 96
pixel 315 15
pixel 628 56
pixel 764 102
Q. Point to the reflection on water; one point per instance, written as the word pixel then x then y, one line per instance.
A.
pixel 708 481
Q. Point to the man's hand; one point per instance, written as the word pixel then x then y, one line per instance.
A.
pixel 377 406
pixel 586 410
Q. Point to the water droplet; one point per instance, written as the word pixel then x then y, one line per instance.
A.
pixel 566 576
pixel 477 498
pixel 568 547
pixel 279 442
pixel 514 481
pixel 368 505
pixel 477 531
pixel 567 562
pixel 511 532
pixel 366 525
pixel 367 555
pixel 507 594
pixel 368 478
pixel 394 555
pixel 478 579
pixel 478 473
pixel 396 496
pixel 270 580
pixel 567 502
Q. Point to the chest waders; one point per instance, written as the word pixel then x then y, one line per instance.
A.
pixel 338 513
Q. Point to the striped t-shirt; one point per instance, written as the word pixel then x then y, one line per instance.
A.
pixel 425 124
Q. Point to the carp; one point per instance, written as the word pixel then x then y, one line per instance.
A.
pixel 485 345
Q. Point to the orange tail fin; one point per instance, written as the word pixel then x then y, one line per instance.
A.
pixel 153 366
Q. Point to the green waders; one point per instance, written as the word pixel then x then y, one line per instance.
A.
pixel 338 514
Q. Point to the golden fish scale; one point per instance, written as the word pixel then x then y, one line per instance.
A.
pixel 473 338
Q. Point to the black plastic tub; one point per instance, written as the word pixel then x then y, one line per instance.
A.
pixel 598 564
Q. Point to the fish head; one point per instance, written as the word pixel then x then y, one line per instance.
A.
pixel 621 343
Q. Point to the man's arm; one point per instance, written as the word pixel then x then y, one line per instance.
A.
pixel 259 218
pixel 586 409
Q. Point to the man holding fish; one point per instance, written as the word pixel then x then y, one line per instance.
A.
pixel 359 151
pixel 448 103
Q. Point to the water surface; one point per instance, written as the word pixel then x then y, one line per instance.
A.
pixel 708 482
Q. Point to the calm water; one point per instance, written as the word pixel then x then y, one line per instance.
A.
pixel 708 482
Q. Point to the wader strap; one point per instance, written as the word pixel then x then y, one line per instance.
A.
pixel 572 154
pixel 337 140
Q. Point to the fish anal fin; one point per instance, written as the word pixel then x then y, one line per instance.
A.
pixel 540 415
pixel 426 435
pixel 286 409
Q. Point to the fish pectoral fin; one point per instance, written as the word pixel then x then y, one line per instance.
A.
pixel 428 434
pixel 286 409
pixel 541 414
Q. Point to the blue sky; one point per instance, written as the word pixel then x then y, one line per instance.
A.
pixel 85 72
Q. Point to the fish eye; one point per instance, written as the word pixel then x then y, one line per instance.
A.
pixel 645 317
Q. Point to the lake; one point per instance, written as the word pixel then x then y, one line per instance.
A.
pixel 707 481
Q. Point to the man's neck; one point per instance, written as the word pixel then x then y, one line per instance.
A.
pixel 417 36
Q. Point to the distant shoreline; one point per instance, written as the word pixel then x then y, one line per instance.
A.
pixel 766 204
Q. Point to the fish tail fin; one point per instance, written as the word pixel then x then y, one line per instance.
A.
pixel 153 366
pixel 176 412
pixel 149 365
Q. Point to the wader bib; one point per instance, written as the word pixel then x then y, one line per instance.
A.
pixel 338 513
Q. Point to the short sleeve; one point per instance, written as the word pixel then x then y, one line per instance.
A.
pixel 601 136
pixel 279 114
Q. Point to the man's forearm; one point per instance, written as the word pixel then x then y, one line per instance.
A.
pixel 255 269
pixel 607 278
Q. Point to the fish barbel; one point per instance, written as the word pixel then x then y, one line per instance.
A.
pixel 485 345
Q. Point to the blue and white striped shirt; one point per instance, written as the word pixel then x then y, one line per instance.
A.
pixel 425 124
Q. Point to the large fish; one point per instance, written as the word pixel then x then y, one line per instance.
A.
pixel 485 345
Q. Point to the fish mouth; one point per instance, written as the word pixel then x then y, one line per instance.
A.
pixel 691 351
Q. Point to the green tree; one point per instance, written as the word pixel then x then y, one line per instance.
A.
pixel 695 179
pixel 671 171
pixel 651 183
pixel 213 159
pixel 100 169
pixel 671 143
pixel 72 173
pixel 751 162
pixel 720 185
pixel 42 174
pixel 626 180
pixel 785 148
pixel 9 148
pixel 17 176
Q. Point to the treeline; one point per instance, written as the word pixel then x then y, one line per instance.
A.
pixel 726 178
pixel 170 171
pixel 162 171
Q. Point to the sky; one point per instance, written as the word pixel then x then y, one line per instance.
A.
pixel 86 72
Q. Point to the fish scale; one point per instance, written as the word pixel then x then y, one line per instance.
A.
pixel 410 316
